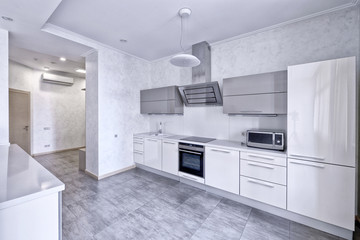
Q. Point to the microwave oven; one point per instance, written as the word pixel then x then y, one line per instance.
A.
pixel 265 139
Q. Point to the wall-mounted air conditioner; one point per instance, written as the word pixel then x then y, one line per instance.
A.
pixel 56 79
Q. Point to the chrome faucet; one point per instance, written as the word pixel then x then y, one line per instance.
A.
pixel 160 128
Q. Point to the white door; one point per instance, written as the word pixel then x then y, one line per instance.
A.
pixel 222 169
pixel 19 118
pixel 322 191
pixel 152 153
pixel 321 111
pixel 170 157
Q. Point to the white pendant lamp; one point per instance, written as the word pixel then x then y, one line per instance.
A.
pixel 184 60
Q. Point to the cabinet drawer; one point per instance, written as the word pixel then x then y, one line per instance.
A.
pixel 263 171
pixel 281 161
pixel 262 191
pixel 139 157
pixel 222 169
pixel 138 146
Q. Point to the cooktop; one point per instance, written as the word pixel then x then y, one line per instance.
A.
pixel 198 139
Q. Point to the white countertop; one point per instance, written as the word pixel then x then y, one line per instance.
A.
pixel 22 178
pixel 231 145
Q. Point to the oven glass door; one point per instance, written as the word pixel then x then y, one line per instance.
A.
pixel 191 162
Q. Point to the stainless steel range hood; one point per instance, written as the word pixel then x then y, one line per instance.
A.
pixel 202 92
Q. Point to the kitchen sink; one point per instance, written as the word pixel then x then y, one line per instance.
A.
pixel 160 134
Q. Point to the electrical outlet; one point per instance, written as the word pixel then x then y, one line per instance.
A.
pixel 46 128
pixel 115 135
pixel 47 145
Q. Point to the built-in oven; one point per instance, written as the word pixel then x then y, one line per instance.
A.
pixel 191 159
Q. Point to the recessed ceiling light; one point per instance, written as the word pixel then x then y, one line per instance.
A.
pixel 46 68
pixel 81 70
pixel 62 59
pixel 123 40
pixel 7 18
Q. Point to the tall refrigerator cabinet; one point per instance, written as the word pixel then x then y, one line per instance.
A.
pixel 322 141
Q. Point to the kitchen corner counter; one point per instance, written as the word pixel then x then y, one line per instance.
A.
pixel 22 178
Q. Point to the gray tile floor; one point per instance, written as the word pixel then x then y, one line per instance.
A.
pixel 140 205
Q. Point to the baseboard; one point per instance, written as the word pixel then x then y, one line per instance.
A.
pixel 56 151
pixel 108 174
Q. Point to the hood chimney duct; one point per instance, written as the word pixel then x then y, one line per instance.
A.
pixel 202 72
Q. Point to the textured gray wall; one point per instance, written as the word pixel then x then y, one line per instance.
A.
pixel 61 108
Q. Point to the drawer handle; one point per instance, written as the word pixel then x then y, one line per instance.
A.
pixel 309 164
pixel 138 142
pixel 310 157
pixel 170 142
pixel 260 165
pixel 260 157
pixel 138 152
pixel 261 183
pixel 222 151
pixel 152 140
pixel 184 176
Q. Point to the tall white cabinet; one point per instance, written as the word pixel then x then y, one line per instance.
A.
pixel 152 153
pixel 321 140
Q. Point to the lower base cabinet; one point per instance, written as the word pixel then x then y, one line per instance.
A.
pixel 152 153
pixel 322 191
pixel 170 157
pixel 222 169
pixel 266 192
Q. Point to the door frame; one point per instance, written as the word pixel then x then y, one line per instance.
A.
pixel 30 114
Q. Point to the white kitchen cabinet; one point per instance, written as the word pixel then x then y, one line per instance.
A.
pixel 322 191
pixel 264 158
pixel 138 150
pixel 138 157
pixel 263 171
pixel 263 191
pixel 152 153
pixel 222 169
pixel 321 111
pixel 170 157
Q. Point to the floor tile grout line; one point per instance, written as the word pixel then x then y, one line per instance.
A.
pixel 247 220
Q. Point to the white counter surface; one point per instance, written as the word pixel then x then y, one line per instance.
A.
pixel 232 145
pixel 22 178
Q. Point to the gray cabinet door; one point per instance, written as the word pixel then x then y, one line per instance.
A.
pixel 165 100
pixel 256 84
pixel 256 104
pixel 258 94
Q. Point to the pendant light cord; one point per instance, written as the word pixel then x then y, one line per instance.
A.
pixel 181 34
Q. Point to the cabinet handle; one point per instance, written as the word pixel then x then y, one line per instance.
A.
pixel 309 164
pixel 216 150
pixel 260 157
pixel 260 165
pixel 152 140
pixel 138 152
pixel 310 157
pixel 138 139
pixel 180 150
pixel 170 142
pixel 138 142
pixel 261 183
pixel 251 111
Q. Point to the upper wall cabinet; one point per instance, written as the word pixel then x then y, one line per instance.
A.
pixel 260 94
pixel 165 100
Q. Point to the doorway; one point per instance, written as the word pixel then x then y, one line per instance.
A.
pixel 19 119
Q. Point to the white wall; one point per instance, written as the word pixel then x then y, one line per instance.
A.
pixel 328 36
pixel 4 92
pixel 60 108
pixel 115 108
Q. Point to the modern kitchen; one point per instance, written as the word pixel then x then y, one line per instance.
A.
pixel 195 128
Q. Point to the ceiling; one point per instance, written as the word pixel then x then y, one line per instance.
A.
pixel 152 28
pixel 26 38
pixel 38 61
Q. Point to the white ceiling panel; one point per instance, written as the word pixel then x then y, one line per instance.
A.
pixel 152 28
